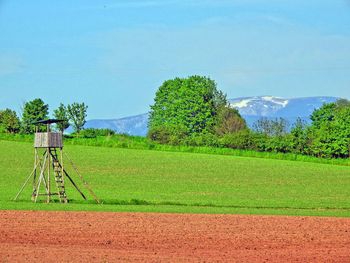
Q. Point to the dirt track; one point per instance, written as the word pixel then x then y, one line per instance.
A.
pixel 109 237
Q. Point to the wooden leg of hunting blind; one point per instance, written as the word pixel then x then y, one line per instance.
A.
pixel 38 160
pixel 44 181
pixel 41 177
pixel 48 177
pixel 45 184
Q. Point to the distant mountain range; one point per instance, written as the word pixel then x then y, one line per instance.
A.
pixel 255 108
pixel 133 125
pixel 251 108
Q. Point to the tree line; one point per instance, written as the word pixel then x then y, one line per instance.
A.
pixel 72 115
pixel 192 111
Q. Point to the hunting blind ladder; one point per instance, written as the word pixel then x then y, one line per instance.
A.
pixel 48 166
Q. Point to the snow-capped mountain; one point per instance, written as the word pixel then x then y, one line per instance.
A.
pixel 259 106
pixel 251 108
pixel 269 106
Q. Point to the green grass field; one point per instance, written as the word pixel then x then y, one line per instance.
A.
pixel 157 181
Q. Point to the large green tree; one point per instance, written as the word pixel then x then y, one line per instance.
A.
pixel 325 114
pixel 9 122
pixel 186 106
pixel 329 133
pixel 77 115
pixel 33 111
pixel 61 113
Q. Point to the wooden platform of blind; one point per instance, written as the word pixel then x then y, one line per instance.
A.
pixel 48 140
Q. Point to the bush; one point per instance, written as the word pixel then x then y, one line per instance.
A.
pixel 239 140
pixel 2 129
pixel 159 134
pixel 229 121
pixel 93 133
pixel 205 139
pixel 248 140
pixel 167 135
pixel 282 144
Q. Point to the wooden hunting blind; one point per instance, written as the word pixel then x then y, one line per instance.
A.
pixel 49 170
pixel 48 139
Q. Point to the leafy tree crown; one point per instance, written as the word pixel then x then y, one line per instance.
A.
pixel 188 105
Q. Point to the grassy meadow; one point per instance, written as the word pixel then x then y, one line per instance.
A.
pixel 164 181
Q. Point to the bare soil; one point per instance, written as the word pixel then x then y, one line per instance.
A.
pixel 28 236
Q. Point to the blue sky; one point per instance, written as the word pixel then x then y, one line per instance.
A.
pixel 113 55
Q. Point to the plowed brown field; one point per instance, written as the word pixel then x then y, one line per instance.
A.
pixel 28 236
